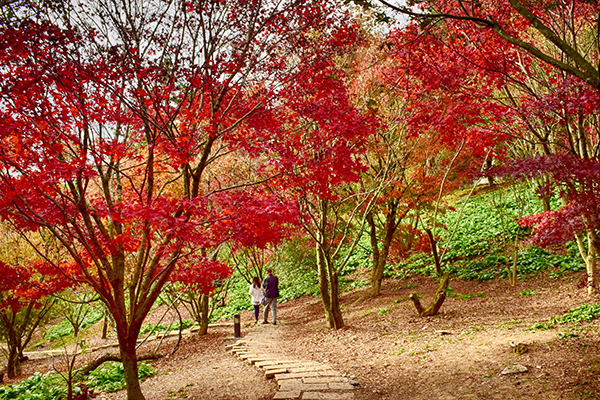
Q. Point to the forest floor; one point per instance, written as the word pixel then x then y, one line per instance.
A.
pixel 394 354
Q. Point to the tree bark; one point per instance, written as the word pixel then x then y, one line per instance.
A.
pixel 329 290
pixel 337 321
pixel 130 368
pixel 13 363
pixel 204 314
pixel 104 327
pixel 380 256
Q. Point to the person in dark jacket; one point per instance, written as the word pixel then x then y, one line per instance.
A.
pixel 271 286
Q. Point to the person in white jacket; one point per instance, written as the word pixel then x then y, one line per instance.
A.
pixel 256 292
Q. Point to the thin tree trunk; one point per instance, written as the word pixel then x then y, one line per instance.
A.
pixel 105 327
pixel 203 314
pixel 589 257
pixel 380 256
pixel 337 322
pixel 324 285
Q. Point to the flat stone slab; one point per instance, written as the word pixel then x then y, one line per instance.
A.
pixel 298 385
pixel 327 396
pixel 261 364
pixel 326 379
pixel 231 346
pixel 290 395
pixel 270 373
pixel 246 356
pixel 311 369
pixel 294 375
pixel 255 359
pixel 328 373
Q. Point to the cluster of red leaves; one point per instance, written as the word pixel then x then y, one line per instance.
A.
pixel 200 274
pixel 29 282
pixel 577 179
pixel 255 219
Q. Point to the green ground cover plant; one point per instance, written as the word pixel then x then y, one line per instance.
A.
pixel 585 312
pixel 488 224
pixel 64 328
pixel 37 387
pixel 186 323
pixel 110 377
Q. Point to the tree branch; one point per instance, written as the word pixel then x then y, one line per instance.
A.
pixel 85 370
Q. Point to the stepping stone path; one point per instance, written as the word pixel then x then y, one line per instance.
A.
pixel 296 379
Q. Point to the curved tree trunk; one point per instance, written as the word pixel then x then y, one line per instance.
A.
pixel 392 220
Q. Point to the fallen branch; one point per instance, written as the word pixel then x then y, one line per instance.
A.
pixel 85 370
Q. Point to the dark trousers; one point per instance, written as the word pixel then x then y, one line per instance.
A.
pixel 256 310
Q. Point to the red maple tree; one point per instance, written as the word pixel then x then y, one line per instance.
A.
pixel 117 140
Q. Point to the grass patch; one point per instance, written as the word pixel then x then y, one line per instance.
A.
pixel 540 326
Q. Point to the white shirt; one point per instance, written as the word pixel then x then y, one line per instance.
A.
pixel 255 292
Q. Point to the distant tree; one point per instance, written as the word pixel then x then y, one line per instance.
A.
pixel 25 302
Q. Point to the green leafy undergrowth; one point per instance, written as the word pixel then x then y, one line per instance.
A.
pixel 584 312
pixel 541 326
pixel 186 323
pixel 468 296
pixel 64 328
pixel 526 292
pixel 110 377
pixel 486 221
pixel 530 261
pixel 37 387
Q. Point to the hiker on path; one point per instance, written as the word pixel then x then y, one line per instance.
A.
pixel 256 292
pixel 271 287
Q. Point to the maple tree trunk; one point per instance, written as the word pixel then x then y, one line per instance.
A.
pixel 13 343
pixel 329 290
pixel 380 256
pixel 203 314
pixel 335 320
pixel 105 327
pixel 130 368
pixel 13 362
pixel 589 257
